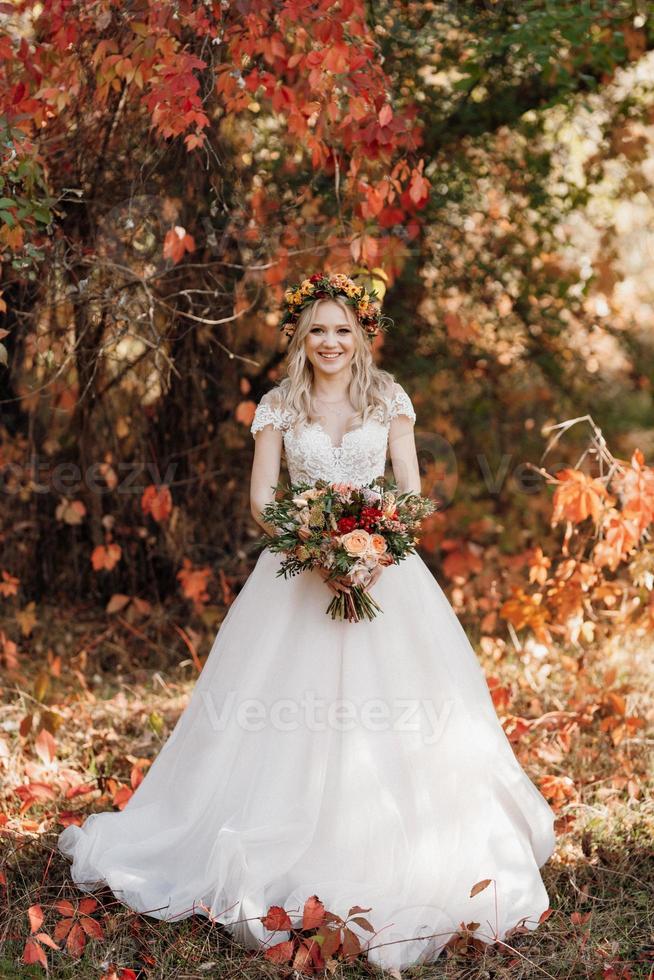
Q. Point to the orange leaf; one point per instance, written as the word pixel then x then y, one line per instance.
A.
pixel 244 412
pixel 194 582
pixel 194 140
pixel 135 777
pixel 33 953
pixel 479 887
pixel 45 746
pixel 579 496
pixel 105 556
pixel 461 563
pixel 27 619
pixel 158 502
pixel 35 916
pixel 176 243
pixel 9 584
pixel 70 511
pixel 63 927
pixel 117 602
pixel 121 796
pixel 91 927
pixel 419 188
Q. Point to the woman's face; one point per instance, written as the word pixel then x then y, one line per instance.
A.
pixel 330 342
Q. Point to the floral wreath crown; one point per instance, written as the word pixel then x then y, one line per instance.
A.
pixel 365 303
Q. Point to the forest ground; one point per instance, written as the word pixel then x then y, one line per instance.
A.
pixel 109 695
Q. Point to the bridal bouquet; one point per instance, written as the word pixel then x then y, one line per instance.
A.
pixel 347 530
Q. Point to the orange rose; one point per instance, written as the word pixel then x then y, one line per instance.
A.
pixel 303 532
pixel 356 542
pixel 377 544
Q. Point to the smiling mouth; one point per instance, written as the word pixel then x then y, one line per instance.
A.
pixel 330 357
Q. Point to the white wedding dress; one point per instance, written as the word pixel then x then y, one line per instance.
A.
pixel 360 762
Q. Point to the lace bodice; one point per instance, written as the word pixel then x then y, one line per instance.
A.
pixel 310 453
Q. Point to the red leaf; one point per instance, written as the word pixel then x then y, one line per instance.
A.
pixel 302 961
pixel 65 907
pixel 385 115
pixel 91 927
pixel 276 918
pixel 313 913
pixel 62 928
pixel 121 797
pixel 76 940
pixel 33 953
pixel 281 953
pixel 35 916
pixel 88 905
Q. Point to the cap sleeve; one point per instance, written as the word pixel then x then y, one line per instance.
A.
pixel 401 404
pixel 270 411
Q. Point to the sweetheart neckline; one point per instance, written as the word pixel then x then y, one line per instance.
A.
pixel 323 430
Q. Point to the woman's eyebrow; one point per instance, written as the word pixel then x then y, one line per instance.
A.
pixel 322 324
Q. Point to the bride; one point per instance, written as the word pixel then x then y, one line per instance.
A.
pixel 360 762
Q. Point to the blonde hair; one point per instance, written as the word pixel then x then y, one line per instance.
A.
pixel 370 388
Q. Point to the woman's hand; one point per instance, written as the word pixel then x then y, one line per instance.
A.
pixel 335 584
pixel 342 585
pixel 376 572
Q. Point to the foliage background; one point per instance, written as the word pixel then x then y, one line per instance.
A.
pixel 493 160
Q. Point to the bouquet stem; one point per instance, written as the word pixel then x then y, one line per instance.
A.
pixel 354 605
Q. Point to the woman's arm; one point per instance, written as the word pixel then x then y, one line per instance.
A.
pixel 265 472
pixel 404 458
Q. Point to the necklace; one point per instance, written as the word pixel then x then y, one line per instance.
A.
pixel 331 404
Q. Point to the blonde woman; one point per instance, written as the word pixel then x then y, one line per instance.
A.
pixel 363 763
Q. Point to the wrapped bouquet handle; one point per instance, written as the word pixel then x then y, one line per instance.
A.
pixel 352 604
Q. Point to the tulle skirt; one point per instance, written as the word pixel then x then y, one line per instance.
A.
pixel 360 762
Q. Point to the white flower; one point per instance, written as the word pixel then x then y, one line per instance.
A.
pixel 372 496
pixel 360 574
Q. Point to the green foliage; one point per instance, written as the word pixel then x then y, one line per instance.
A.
pixel 25 203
